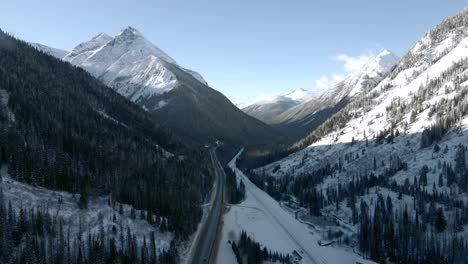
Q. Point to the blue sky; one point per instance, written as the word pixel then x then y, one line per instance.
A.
pixel 246 49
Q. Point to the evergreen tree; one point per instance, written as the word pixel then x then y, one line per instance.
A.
pixel 440 222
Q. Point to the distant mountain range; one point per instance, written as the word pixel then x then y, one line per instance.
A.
pixel 268 110
pixel 299 112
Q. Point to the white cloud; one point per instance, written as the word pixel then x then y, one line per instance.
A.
pixel 351 63
pixel 259 97
pixel 266 97
pixel 326 82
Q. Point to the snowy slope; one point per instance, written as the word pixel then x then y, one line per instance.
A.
pixel 178 98
pixel 269 224
pixel 64 206
pixel 371 72
pixel 352 85
pixel 129 63
pixel 57 53
pixel 299 112
pixel 415 118
pixel 86 49
pixel 268 110
pixel 374 112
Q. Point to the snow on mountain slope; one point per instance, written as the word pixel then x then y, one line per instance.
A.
pixel 129 63
pixel 402 143
pixel 364 79
pixel 177 98
pixel 297 118
pixel 267 110
pixel 86 49
pixel 372 71
pixel 57 53
pixel 298 95
pixel 421 82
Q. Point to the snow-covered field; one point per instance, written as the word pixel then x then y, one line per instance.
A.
pixel 269 224
pixel 64 205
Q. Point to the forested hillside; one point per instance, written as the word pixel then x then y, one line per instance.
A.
pixel 62 129
pixel 387 175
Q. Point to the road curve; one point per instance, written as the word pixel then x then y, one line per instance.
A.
pixel 205 245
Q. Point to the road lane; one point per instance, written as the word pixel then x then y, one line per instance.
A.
pixel 205 244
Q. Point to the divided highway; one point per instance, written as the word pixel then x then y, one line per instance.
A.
pixel 206 243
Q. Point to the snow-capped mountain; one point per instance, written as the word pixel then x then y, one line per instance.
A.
pixel 177 97
pixel 371 72
pixel 57 53
pixel 433 73
pixel 363 79
pixel 298 95
pixel 268 110
pixel 299 103
pixel 86 49
pixel 129 63
pixel 398 149
pixel 306 115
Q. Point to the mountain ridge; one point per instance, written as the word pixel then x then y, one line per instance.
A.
pixel 298 118
pixel 393 160
pixel 178 97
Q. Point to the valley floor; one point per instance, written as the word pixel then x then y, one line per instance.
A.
pixel 269 224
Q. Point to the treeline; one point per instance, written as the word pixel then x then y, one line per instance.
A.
pixel 235 192
pixel 62 129
pixel 447 111
pixel 36 236
pixel 247 250
pixel 251 159
pixel 407 237
pixel 436 35
pixel 306 188
pixel 438 217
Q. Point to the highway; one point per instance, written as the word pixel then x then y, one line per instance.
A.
pixel 285 222
pixel 206 242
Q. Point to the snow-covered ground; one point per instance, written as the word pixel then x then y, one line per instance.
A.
pixel 64 205
pixel 269 224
